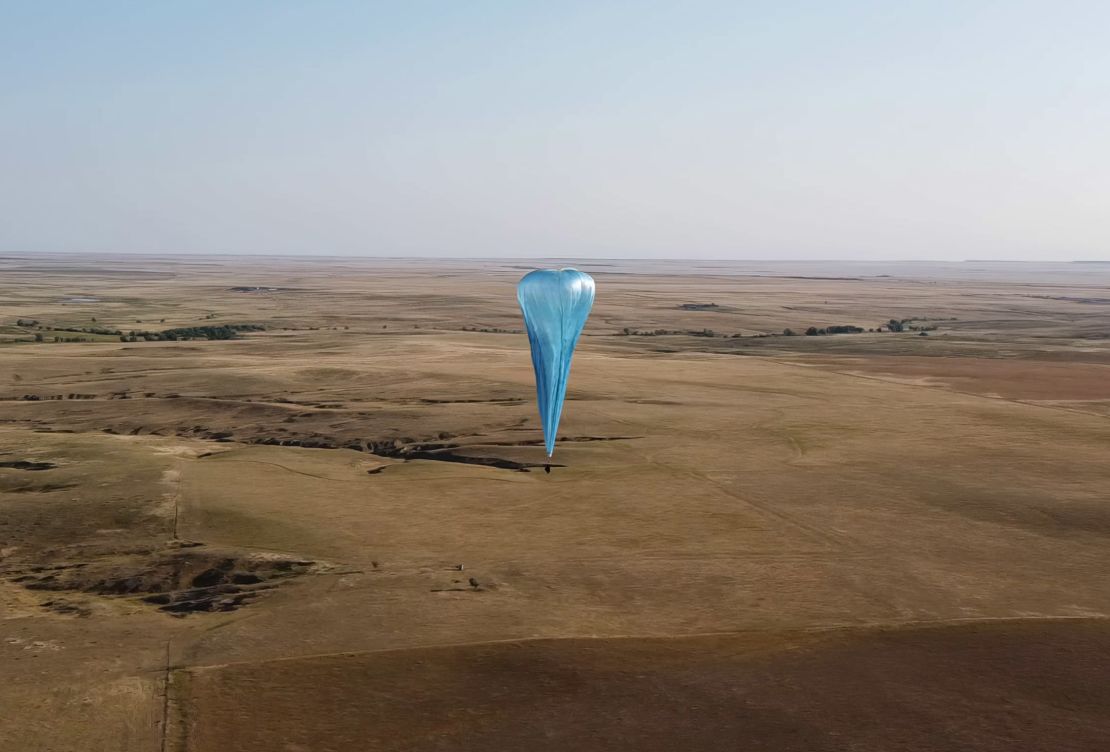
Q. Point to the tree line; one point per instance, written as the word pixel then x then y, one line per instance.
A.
pixel 213 332
pixel 221 332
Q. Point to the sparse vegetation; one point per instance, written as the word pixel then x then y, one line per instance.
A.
pixel 699 423
pixel 487 329
pixel 814 331
pixel 60 333
pixel 905 325
pixel 222 332
pixel 629 332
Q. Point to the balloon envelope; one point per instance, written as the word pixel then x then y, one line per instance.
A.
pixel 555 306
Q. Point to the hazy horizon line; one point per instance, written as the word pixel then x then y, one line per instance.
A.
pixel 592 259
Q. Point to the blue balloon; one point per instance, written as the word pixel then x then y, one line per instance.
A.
pixel 556 305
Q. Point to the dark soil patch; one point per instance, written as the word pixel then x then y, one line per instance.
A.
pixel 447 455
pixel 505 401
pixel 178 581
pixel 28 465
pixel 449 452
pixel 560 440
pixel 67 607
pixel 45 488
pixel 405 450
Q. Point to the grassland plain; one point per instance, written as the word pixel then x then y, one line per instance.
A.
pixel 330 534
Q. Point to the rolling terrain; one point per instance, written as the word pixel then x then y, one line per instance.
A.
pixel 331 532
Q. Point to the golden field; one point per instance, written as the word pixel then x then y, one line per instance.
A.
pixel 871 541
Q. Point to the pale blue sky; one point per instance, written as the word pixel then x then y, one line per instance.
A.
pixel 697 129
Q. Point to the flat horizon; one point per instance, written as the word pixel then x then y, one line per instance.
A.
pixel 591 259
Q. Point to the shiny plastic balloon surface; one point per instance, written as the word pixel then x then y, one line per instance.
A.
pixel 556 305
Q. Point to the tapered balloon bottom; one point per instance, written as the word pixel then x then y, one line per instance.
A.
pixel 555 305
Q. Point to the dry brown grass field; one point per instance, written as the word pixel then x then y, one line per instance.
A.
pixel 331 533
